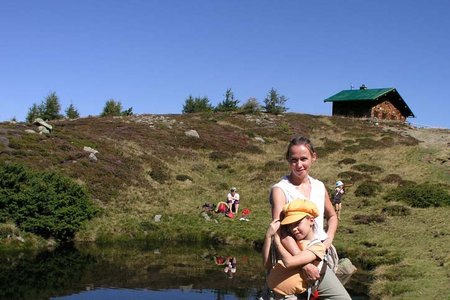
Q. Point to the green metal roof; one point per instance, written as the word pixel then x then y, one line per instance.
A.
pixel 369 95
pixel 355 95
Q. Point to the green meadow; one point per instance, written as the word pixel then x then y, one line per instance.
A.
pixel 394 223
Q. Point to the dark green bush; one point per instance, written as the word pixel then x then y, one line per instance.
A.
pixel 223 166
pixel 397 210
pixel 393 178
pixel 367 189
pixel 367 219
pixel 329 146
pixel 351 176
pixel 43 203
pixel 421 195
pixel 272 166
pixel 219 155
pixel 183 178
pixel 365 168
pixel 159 172
pixel 347 161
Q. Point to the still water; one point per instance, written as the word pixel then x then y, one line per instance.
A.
pixel 138 271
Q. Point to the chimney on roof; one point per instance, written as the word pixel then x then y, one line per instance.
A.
pixel 363 87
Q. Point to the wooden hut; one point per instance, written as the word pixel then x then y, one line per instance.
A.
pixel 383 104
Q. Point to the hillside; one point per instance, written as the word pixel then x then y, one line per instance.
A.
pixel 147 165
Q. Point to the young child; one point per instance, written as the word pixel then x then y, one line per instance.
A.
pixel 284 278
pixel 339 191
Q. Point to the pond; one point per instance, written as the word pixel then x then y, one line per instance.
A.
pixel 138 271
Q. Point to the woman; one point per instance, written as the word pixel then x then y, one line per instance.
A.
pixel 299 184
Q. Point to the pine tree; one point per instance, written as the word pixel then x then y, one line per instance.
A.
pixel 229 103
pixel 72 112
pixel 112 108
pixel 33 113
pixel 274 103
pixel 50 108
pixel 197 104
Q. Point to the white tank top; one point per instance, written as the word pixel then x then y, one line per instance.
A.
pixel 317 196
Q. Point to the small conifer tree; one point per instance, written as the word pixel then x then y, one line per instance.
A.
pixel 274 103
pixel 72 112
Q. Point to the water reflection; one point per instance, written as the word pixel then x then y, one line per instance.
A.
pixel 133 271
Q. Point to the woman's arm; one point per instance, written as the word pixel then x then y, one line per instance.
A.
pixel 332 221
pixel 289 260
pixel 266 250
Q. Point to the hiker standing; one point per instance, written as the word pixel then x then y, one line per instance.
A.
pixel 339 191
pixel 298 184
pixel 233 200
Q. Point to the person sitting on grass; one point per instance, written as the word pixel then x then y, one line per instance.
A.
pixel 233 200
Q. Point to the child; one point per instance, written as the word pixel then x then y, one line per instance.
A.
pixel 284 278
pixel 338 193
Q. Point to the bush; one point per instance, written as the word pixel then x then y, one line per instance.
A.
pixel 350 176
pixel 197 104
pixel 365 168
pixel 159 172
pixel 347 161
pixel 367 219
pixel 393 178
pixel 397 210
pixel 251 106
pixel 421 195
pixel 219 155
pixel 43 203
pixel 367 189
pixel 183 178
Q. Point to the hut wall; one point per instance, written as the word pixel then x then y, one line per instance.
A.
pixel 359 109
pixel 386 111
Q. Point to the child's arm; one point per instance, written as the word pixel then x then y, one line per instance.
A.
pixel 301 259
pixel 289 243
pixel 271 231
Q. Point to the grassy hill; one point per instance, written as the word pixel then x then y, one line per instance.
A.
pixel 146 165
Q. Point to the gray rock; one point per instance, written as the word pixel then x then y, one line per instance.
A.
pixel 192 133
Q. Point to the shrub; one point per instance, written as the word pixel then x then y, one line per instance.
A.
pixel 367 219
pixel 367 189
pixel 365 168
pixel 159 172
pixel 421 195
pixel 397 210
pixel 251 106
pixel 183 178
pixel 43 203
pixel 198 104
pixel 274 103
pixel 347 161
pixel 272 166
pixel 223 166
pixel 393 178
pixel 350 176
pixel 219 155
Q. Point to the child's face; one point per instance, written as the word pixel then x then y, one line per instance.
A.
pixel 302 229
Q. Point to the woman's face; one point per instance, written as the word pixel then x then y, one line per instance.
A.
pixel 300 160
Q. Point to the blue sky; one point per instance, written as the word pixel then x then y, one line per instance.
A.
pixel 151 55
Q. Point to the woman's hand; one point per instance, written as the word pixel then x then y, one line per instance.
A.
pixel 310 272
pixel 328 243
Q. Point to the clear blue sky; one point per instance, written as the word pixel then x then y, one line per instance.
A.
pixel 151 55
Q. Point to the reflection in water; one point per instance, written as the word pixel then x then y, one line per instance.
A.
pixel 133 271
